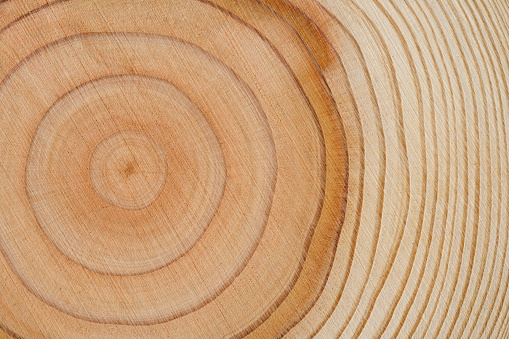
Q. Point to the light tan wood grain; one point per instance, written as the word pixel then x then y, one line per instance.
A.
pixel 254 168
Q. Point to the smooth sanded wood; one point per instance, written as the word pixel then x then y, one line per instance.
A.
pixel 254 168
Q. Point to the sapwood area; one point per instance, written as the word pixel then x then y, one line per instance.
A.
pixel 254 168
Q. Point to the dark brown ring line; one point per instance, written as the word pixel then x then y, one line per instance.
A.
pixel 228 282
pixel 381 179
pixel 489 183
pixel 311 232
pixel 113 77
pixel 456 179
pixel 398 108
pixel 278 302
pixel 476 178
pixel 455 212
pixel 106 33
pixel 57 42
pixel 361 177
pixel 502 122
pixel 424 188
pixel 435 170
pixel 448 166
pixel 326 88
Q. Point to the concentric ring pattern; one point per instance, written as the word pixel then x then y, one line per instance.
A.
pixel 259 168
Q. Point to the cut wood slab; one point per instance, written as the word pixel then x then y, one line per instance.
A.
pixel 254 168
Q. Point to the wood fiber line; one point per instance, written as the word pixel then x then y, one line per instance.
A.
pixel 423 193
pixel 453 125
pixel 5 335
pixel 320 56
pixel 434 189
pixel 255 168
pixel 502 44
pixel 360 182
pixel 399 126
pixel 434 218
pixel 488 176
pixel 215 293
pixel 482 189
pixel 465 220
pixel 92 83
pixel 499 121
pixel 381 138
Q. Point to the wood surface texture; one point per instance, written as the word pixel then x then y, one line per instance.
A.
pixel 254 168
